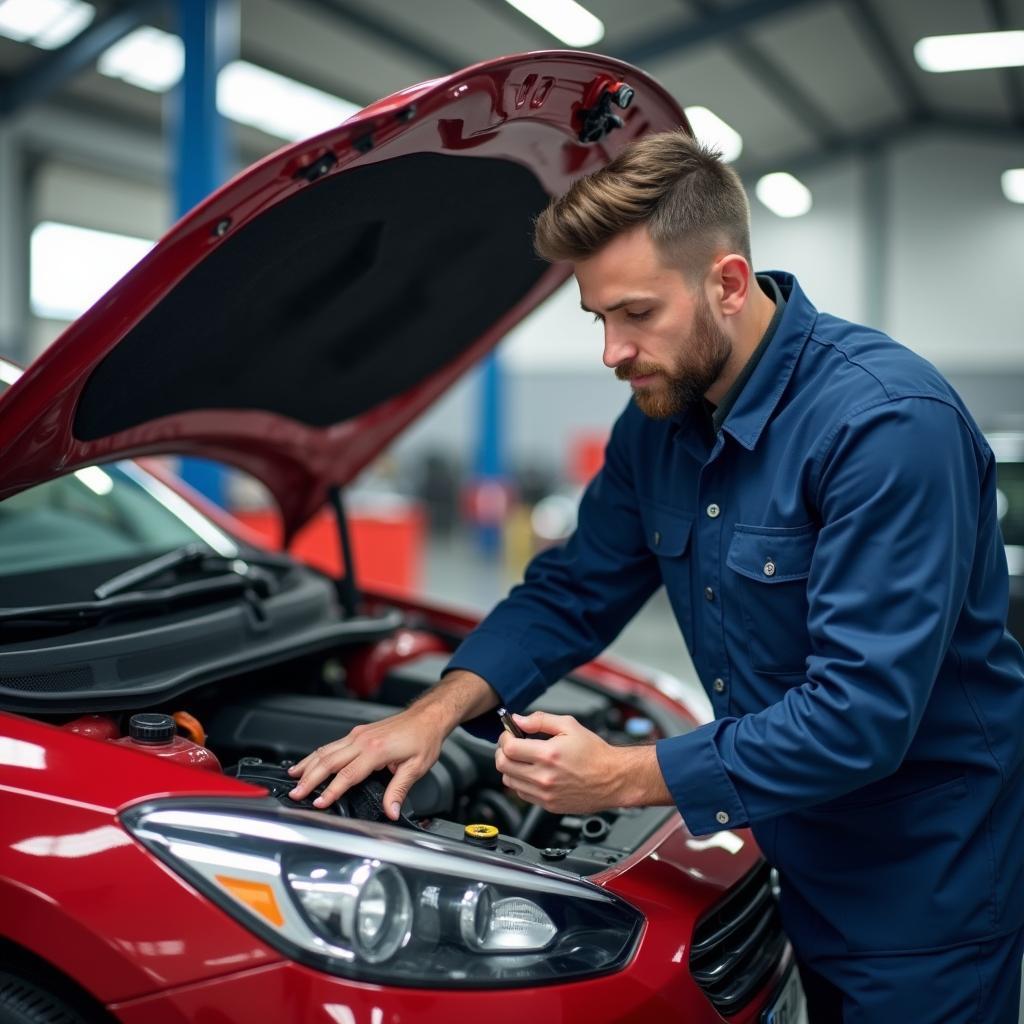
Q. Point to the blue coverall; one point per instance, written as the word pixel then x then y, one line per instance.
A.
pixel 833 558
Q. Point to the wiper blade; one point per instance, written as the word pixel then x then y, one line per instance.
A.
pixel 188 556
pixel 213 586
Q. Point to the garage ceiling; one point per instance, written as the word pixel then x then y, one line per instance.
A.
pixel 803 81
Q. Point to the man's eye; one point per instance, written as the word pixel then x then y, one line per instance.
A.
pixel 637 317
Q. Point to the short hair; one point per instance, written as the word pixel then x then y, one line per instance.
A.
pixel 691 201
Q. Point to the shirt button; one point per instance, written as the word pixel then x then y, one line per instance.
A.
pixel 719 685
pixel 709 593
pixel 657 538
pixel 769 568
pixel 722 818
pixel 713 511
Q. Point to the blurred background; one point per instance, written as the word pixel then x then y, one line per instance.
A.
pixel 881 142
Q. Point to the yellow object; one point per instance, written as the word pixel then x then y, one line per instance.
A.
pixel 257 896
pixel 481 832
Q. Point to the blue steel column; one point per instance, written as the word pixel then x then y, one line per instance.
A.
pixel 491 485
pixel 209 31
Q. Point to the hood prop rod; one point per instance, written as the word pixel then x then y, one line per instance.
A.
pixel 346 584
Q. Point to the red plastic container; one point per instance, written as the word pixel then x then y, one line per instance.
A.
pixel 157 735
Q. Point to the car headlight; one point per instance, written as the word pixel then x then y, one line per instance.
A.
pixel 375 903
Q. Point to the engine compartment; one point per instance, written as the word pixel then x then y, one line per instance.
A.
pixel 259 723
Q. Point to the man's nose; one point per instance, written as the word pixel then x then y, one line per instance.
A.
pixel 617 350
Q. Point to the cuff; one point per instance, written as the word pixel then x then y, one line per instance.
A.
pixel 698 781
pixel 508 669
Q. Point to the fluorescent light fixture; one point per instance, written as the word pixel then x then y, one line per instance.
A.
pixel 783 194
pixel 246 93
pixel 564 19
pixel 1013 184
pixel 8 373
pixel 711 130
pixel 971 51
pixel 72 267
pixel 277 105
pixel 44 23
pixel 95 479
pixel 147 57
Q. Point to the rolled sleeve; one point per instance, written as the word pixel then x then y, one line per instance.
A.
pixel 696 777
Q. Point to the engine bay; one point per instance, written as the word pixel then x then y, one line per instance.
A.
pixel 256 728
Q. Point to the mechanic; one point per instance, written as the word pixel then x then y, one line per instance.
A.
pixel 821 509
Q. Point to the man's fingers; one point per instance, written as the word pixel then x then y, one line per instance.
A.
pixel 541 721
pixel 324 751
pixel 398 789
pixel 322 763
pixel 351 773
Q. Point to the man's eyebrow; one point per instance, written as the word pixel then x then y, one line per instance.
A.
pixel 618 305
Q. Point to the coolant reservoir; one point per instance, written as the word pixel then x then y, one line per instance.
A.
pixel 157 735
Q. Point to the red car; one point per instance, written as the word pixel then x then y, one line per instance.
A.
pixel 158 671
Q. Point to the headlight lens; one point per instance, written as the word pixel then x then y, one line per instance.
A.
pixel 375 903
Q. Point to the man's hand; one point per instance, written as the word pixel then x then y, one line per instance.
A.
pixel 577 772
pixel 407 743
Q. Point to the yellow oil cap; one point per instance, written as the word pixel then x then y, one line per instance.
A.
pixel 486 835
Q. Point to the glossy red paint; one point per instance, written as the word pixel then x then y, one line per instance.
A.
pixel 525 108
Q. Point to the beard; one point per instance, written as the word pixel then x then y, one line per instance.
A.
pixel 703 355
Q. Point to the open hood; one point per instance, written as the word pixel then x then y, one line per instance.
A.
pixel 300 317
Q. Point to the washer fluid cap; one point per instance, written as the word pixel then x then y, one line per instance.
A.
pixel 152 728
pixel 482 835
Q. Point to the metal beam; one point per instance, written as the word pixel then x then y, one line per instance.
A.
pixel 1013 82
pixel 778 82
pixel 889 58
pixel 14 251
pixel 877 210
pixel 671 42
pixel 209 30
pixel 803 161
pixel 51 71
pixel 442 60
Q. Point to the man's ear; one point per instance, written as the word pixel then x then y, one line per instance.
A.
pixel 730 283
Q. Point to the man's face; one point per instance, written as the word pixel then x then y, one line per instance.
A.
pixel 659 331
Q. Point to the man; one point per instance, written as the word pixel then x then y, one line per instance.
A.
pixel 820 507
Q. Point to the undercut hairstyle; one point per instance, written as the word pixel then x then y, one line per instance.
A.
pixel 693 204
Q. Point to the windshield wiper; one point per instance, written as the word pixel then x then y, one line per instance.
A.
pixel 186 557
pixel 253 587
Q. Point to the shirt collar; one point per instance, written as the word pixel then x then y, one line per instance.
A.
pixel 761 393
pixel 719 414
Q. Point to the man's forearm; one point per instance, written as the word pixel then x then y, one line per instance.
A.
pixel 459 696
pixel 640 782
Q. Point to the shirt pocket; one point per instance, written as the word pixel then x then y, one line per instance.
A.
pixel 770 566
pixel 667 532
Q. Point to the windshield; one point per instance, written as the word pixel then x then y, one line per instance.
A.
pixel 99 514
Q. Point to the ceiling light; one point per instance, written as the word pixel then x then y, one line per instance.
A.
pixel 45 23
pixel 564 19
pixel 277 105
pixel 971 51
pixel 1013 184
pixel 711 130
pixel 147 57
pixel 783 194
pixel 71 267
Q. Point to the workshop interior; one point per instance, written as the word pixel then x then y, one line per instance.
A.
pixel 288 403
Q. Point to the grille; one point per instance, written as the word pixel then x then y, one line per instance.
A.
pixel 50 682
pixel 737 945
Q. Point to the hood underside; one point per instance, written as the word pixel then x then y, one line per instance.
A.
pixel 298 319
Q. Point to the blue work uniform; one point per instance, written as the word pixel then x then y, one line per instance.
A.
pixel 833 558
